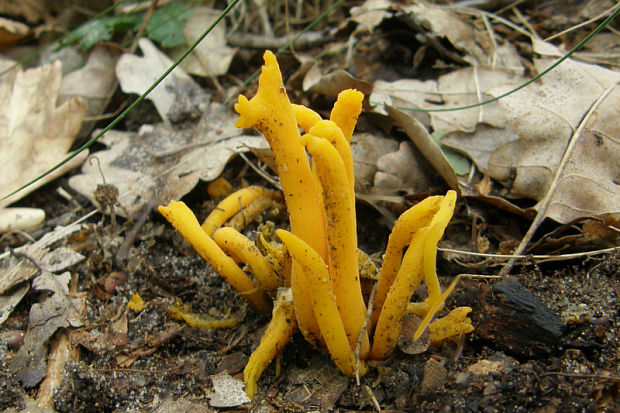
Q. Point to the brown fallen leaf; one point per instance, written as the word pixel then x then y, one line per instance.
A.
pixel 31 10
pixel 35 133
pixel 366 149
pixel 403 170
pixel 58 311
pixel 160 163
pixel 333 83
pixel 177 98
pixel 212 56
pixel 94 83
pixel 545 116
pixel 11 32
pixel 425 144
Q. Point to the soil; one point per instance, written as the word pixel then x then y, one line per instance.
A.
pixel 159 359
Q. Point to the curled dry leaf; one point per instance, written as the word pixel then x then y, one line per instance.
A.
pixel 59 310
pixel 333 83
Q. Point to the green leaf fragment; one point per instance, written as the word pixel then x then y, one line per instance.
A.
pixel 459 163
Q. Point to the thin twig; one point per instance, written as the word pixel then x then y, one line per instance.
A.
pixel 535 257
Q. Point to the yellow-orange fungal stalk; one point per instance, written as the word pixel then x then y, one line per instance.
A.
pixel 436 228
pixel 323 303
pixel 306 117
pixel 232 204
pixel 241 249
pixel 278 333
pixel 185 222
pixel 411 221
pixel 219 188
pixel 346 110
pixel 456 323
pixel 329 131
pixel 394 307
pixel 179 312
pixel 341 237
pixel 278 257
pixel 434 306
pixel 271 113
pixel 248 214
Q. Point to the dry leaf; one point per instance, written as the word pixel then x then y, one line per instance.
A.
pixel 425 144
pixel 11 32
pixel 442 22
pixel 480 144
pixel 176 98
pixel 404 170
pixel 159 163
pixel 95 83
pixel 366 149
pixel 333 83
pixel 35 134
pixel 545 116
pixel 31 10
pixel 17 270
pixel 227 391
pixel 370 14
pixel 212 56
pixel 406 93
pixel 460 88
pixel 466 87
pixel 59 310
pixel 24 219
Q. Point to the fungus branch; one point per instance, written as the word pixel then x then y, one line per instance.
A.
pixel 322 295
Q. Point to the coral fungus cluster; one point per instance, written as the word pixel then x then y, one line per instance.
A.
pixel 320 290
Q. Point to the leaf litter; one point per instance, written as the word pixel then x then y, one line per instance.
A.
pixel 134 358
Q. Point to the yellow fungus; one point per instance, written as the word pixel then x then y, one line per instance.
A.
pixel 411 221
pixel 248 214
pixel 278 333
pixel 271 113
pixel 184 221
pixel 325 295
pixel 391 313
pixel 219 188
pixel 346 110
pixel 436 228
pixel 136 303
pixel 329 131
pixel 305 117
pixel 232 204
pixel 278 257
pixel 323 303
pixel 341 237
pixel 456 323
pixel 179 312
pixel 241 249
